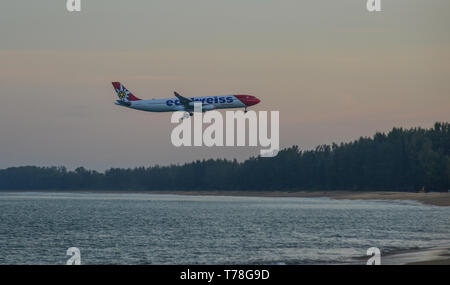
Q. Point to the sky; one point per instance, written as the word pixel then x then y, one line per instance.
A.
pixel 333 70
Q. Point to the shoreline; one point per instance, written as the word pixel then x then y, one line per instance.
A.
pixel 439 255
pixel 430 198
pixel 435 255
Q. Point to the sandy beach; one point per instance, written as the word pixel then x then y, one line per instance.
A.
pixel 429 256
pixel 438 255
pixel 432 198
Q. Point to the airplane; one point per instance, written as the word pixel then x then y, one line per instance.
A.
pixel 181 103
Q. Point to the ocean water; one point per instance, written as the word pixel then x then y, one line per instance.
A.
pixel 38 228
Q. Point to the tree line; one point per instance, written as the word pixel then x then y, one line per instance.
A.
pixel 400 160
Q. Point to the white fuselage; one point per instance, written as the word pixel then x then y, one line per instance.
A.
pixel 173 104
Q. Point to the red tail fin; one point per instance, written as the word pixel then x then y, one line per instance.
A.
pixel 123 93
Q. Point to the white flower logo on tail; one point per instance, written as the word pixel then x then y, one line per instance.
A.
pixel 122 93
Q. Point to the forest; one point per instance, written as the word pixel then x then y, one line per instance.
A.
pixel 399 160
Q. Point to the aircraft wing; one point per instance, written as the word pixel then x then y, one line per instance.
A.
pixel 188 104
pixel 183 100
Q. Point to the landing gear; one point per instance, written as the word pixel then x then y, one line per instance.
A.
pixel 186 115
pixel 245 111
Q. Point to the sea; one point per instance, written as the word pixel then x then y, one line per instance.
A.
pixel 131 228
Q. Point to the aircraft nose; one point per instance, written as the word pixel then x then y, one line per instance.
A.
pixel 248 100
pixel 253 101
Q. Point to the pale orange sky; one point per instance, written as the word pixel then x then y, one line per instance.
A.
pixel 334 71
